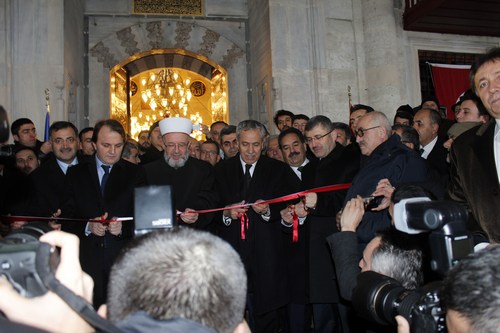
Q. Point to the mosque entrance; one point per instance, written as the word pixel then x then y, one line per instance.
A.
pixel 161 83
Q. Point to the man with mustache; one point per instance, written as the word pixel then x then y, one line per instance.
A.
pixel 48 179
pixel 191 179
pixel 385 158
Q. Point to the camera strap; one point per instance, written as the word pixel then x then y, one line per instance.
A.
pixel 80 305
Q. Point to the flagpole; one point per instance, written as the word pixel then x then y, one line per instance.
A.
pixel 47 115
pixel 349 95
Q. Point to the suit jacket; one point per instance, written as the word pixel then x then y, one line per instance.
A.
pixel 48 186
pixel 437 160
pixel 474 178
pixel 193 186
pixel 340 166
pixel 83 200
pixel 262 250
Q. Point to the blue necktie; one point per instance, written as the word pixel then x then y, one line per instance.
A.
pixel 104 179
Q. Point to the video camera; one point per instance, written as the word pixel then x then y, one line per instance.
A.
pixel 380 298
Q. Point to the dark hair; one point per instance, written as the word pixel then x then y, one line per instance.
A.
pixel 404 115
pixel 406 191
pixel 114 126
pixel 19 148
pixel 229 129
pixel 153 126
pixel 409 135
pixel 472 288
pixel 319 120
pixel 59 125
pixel 470 96
pixel 357 107
pixel 280 113
pixel 217 122
pixel 405 108
pixel 491 55
pixel 430 98
pixel 83 131
pixel 291 130
pixel 127 148
pixel 343 127
pixel 300 116
pixel 211 142
pixel 16 125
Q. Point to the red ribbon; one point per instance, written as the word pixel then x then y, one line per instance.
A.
pixel 243 217
pixel 295 226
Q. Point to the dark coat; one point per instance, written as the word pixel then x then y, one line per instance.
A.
pixel 474 177
pixel 193 186
pixel 437 160
pixel 262 250
pixel 83 199
pixel 48 186
pixel 391 160
pixel 152 154
pixel 339 167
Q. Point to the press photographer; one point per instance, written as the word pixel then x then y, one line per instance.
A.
pixel 379 298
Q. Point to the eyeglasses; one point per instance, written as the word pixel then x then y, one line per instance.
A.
pixel 317 137
pixel 361 131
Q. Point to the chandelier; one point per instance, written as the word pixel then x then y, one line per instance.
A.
pixel 166 92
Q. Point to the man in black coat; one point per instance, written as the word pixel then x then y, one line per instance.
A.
pixel 102 186
pixel 334 165
pixel 191 179
pixel 251 177
pixel 48 179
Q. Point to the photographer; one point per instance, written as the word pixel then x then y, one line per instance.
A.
pixel 49 312
pixel 471 294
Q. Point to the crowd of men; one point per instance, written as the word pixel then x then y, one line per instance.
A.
pixel 294 252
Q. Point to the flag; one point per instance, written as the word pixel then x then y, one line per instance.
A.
pixel 47 116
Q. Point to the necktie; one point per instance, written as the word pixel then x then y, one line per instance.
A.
pixel 300 168
pixel 248 176
pixel 104 177
pixel 421 151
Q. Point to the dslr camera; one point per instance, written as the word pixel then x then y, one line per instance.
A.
pixel 380 298
pixel 26 262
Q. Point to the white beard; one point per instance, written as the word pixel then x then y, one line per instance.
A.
pixel 176 164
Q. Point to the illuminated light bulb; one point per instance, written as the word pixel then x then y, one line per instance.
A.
pixel 183 100
pixel 154 117
pixel 213 94
pixel 188 81
pixel 148 93
pixel 140 114
pixel 158 92
pixel 153 77
pixel 178 87
pixel 189 95
pixel 153 105
pixel 224 94
pixel 181 92
pixel 144 97
pixel 176 76
pixel 164 102
pixel 181 104
pixel 171 91
pixel 143 82
pixel 174 102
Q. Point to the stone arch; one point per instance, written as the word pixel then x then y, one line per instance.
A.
pixel 166 34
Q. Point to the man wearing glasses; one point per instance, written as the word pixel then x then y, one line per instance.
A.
pixel 334 165
pixel 191 180
pixel 386 159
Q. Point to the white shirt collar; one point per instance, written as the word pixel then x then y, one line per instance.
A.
pixel 428 148
pixel 64 166
pixel 252 169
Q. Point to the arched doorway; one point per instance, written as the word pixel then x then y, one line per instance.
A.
pixel 160 83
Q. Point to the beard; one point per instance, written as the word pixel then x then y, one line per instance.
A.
pixel 176 164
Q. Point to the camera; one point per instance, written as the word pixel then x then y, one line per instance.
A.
pixel 25 261
pixel 380 298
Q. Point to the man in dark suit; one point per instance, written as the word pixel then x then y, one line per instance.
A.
pixel 334 165
pixel 251 177
pixel 155 150
pixel 426 122
pixel 102 187
pixel 191 179
pixel 48 179
pixel 474 155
